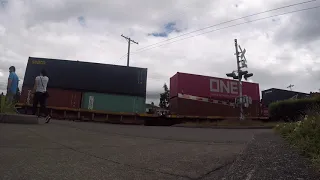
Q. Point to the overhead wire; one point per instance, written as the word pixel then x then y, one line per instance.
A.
pixel 185 6
pixel 159 79
pixel 124 56
pixel 259 19
pixel 290 12
pixel 225 22
pixel 227 27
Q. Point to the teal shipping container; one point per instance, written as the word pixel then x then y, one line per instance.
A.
pixel 113 103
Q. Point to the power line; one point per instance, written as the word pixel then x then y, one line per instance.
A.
pixel 123 56
pixel 247 37
pixel 268 17
pixel 225 22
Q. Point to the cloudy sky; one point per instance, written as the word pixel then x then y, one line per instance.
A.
pixel 281 50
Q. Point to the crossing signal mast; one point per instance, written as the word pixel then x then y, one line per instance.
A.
pixel 239 74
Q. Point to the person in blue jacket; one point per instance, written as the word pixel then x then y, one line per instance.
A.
pixel 12 87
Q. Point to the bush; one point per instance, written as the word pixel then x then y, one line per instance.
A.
pixel 292 110
pixel 304 134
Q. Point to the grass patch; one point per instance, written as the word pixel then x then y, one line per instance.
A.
pixel 304 135
pixel 8 108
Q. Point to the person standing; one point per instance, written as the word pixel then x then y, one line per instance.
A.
pixel 12 86
pixel 40 94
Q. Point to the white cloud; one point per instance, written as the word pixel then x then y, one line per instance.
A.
pixel 276 50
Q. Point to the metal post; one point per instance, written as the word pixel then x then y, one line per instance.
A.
pixel 240 84
pixel 129 42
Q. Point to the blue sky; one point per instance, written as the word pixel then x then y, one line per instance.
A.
pixel 167 29
pixel 82 20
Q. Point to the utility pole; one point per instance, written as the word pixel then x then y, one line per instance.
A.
pixel 241 63
pixel 129 42
pixel 240 83
pixel 290 87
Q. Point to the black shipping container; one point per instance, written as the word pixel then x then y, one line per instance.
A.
pixel 85 76
pixel 273 95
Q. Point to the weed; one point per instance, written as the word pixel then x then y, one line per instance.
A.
pixel 304 134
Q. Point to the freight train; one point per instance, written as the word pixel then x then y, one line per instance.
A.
pixel 83 86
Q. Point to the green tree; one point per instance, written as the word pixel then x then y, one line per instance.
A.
pixel 164 97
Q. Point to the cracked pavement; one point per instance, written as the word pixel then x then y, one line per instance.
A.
pixel 82 150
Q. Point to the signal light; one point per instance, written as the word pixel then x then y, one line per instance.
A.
pixel 246 76
pixel 231 74
pixel 243 73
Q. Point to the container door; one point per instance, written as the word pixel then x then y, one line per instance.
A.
pixel 140 83
pixel 134 110
pixel 29 97
pixel 73 98
pixel 139 77
pixel 91 102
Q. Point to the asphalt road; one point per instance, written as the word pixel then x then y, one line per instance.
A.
pixel 81 150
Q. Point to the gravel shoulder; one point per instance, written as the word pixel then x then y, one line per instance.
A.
pixel 269 157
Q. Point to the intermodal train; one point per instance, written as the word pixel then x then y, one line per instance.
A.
pixel 85 86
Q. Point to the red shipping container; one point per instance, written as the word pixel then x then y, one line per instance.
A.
pixel 58 97
pixel 211 87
